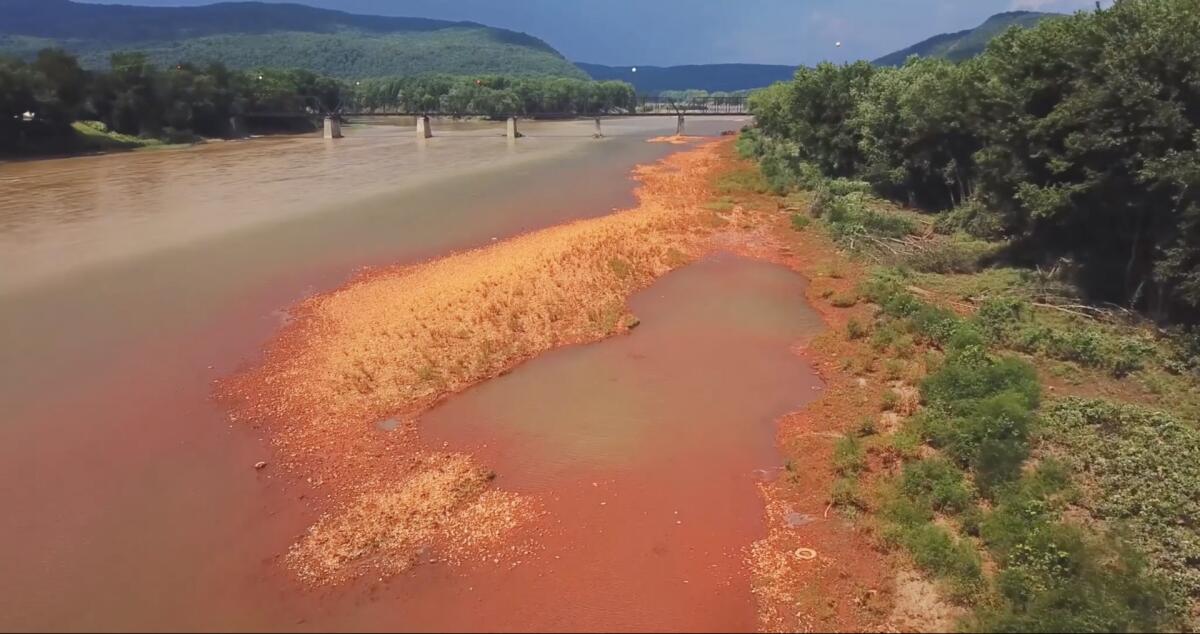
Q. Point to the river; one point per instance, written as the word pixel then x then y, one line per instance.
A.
pixel 130 282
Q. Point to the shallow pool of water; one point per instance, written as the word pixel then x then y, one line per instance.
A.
pixel 646 450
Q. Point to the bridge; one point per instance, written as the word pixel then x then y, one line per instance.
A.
pixel 712 107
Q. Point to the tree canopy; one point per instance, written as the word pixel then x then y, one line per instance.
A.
pixel 1078 138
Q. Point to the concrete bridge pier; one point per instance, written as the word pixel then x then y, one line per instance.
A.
pixel 679 126
pixel 511 129
pixel 333 128
pixel 598 134
pixel 237 127
pixel 424 127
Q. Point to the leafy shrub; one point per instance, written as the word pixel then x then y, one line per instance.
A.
pixel 885 334
pixel 866 427
pixel 893 369
pixel 905 443
pixel 848 456
pixel 971 520
pixel 779 160
pixel 1010 322
pixel 936 551
pixel 1055 581
pixel 888 288
pixel 902 511
pixel 1053 578
pixel 1126 355
pixel 981 411
pixel 970 375
pixel 800 221
pixel 844 187
pixel 939 482
pixel 1140 468
pixel 844 300
pixel 950 256
pixel 845 494
pixel 1184 344
pixel 972 218
pixel 1001 318
pixel 938 325
pixel 850 216
pixel 855 330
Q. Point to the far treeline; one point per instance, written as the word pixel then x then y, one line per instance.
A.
pixel 42 102
pixel 1079 140
pixel 492 95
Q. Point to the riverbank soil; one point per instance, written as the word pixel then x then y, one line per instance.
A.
pixel 342 390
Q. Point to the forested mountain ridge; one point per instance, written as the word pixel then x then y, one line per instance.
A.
pixel 968 43
pixel 254 34
pixel 709 77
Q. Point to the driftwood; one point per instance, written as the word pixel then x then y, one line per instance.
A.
pixel 1074 309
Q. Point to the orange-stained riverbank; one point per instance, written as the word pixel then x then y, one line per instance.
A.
pixel 628 472
pixel 131 501
pixel 343 390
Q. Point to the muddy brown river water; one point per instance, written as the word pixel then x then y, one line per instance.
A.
pixel 128 283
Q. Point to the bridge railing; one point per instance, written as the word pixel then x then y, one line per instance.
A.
pixel 719 105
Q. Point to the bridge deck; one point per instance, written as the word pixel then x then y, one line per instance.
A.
pixel 543 115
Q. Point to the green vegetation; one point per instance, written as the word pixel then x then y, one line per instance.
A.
pixel 1049 478
pixel 493 95
pixel 981 416
pixel 1141 471
pixel 253 35
pixel 848 456
pixel 94 135
pixel 965 44
pixel 683 83
pixel 1077 140
pixel 43 102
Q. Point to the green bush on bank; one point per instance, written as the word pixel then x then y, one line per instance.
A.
pixel 1053 575
pixel 982 415
pixel 1139 469
pixel 1011 323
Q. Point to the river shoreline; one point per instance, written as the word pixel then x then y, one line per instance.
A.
pixel 554 287
pixel 151 145
pixel 113 434
pixel 342 454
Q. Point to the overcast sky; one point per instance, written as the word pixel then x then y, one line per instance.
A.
pixel 669 32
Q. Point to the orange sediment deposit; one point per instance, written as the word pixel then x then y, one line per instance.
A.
pixel 674 139
pixel 444 501
pixel 339 388
pixel 818 568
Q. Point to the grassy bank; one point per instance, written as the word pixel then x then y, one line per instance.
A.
pixel 93 136
pixel 87 137
pixel 1033 457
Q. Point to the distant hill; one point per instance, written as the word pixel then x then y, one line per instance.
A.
pixel 710 77
pixel 966 44
pixel 255 34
